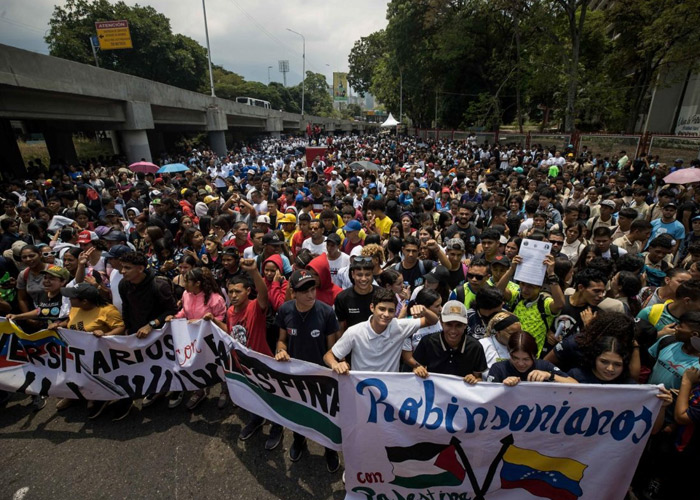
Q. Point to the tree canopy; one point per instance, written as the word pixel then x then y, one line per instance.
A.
pixel 484 63
pixel 159 54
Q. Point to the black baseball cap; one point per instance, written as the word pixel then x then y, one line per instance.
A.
pixel 83 291
pixel 438 274
pixel 272 239
pixel 302 280
pixel 116 252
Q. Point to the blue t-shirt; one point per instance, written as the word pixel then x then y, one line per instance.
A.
pixel 670 364
pixel 674 229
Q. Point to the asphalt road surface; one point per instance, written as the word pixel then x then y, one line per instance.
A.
pixel 156 452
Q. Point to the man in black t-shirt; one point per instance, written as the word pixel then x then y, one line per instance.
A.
pixel 308 329
pixel 450 351
pixel 411 267
pixel 581 307
pixel 352 305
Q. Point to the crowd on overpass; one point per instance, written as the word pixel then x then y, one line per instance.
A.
pixel 377 237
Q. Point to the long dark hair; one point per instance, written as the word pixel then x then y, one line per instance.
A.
pixel 523 341
pixel 608 343
pixel 607 324
pixel 206 281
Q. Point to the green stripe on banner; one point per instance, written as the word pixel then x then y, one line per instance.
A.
pixel 293 411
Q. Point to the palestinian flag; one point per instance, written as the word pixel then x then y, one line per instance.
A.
pixel 426 465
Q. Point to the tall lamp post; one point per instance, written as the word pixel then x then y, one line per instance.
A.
pixel 206 32
pixel 303 69
pixel 268 74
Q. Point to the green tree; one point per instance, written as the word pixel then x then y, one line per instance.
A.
pixel 317 98
pixel 651 37
pixel 365 54
pixel 158 54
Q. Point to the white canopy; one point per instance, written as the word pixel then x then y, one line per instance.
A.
pixel 390 122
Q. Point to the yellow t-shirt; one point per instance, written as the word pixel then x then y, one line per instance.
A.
pixel 105 318
pixel 383 226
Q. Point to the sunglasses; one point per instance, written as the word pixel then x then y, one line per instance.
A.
pixel 48 254
pixel 361 258
pixel 477 277
pixel 556 243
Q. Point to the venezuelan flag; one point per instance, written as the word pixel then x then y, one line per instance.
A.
pixel 546 477
pixel 36 341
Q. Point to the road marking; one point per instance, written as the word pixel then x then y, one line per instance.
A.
pixel 20 493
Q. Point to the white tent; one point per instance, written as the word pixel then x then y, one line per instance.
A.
pixel 390 122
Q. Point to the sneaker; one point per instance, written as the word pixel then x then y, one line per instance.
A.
pixel 64 403
pixel 297 450
pixel 38 402
pixel 96 409
pixel 332 461
pixel 275 437
pixel 150 399
pixel 176 399
pixel 196 399
pixel 122 408
pixel 251 427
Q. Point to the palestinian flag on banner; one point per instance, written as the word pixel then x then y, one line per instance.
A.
pixel 426 465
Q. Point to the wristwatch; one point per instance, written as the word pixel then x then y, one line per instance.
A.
pixel 551 377
pixel 153 324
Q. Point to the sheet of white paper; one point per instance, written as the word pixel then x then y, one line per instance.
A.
pixel 532 269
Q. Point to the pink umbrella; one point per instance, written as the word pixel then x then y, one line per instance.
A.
pixel 683 176
pixel 144 166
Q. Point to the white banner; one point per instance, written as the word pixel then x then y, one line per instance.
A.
pixel 439 438
pixel 74 364
pixel 301 396
pixel 402 436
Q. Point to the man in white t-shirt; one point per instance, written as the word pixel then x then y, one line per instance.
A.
pixel 317 243
pixel 375 344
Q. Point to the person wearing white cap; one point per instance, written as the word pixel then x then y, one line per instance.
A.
pixel 606 218
pixel 449 351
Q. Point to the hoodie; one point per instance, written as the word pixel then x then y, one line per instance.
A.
pixel 327 290
pixel 149 300
pixel 276 291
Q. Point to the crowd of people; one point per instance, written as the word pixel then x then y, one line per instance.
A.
pixel 405 264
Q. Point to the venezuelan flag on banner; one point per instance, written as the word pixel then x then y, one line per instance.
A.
pixel 27 341
pixel 546 477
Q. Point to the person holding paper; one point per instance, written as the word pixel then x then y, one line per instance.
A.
pixel 535 310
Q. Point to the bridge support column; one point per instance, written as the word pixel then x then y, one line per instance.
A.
pixel 135 145
pixel 217 125
pixel 217 142
pixel 12 156
pixel 156 142
pixel 60 146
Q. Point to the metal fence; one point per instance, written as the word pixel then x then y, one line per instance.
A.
pixel 671 147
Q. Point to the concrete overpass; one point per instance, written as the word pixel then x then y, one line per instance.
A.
pixel 58 97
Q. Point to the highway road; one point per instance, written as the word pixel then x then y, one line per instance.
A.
pixel 155 452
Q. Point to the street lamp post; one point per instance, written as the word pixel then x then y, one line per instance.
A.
pixel 206 32
pixel 303 69
pixel 268 74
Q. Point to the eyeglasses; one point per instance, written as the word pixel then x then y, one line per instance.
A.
pixel 477 277
pixel 556 242
pixel 362 258
pixel 48 254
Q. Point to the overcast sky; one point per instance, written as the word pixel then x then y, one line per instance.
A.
pixel 246 36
